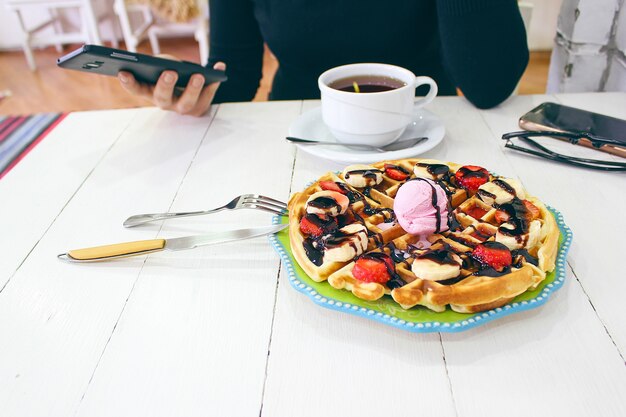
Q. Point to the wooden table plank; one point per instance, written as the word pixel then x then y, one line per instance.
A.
pixel 38 188
pixel 193 339
pixel 56 318
pixel 551 361
pixel 324 363
pixel 558 358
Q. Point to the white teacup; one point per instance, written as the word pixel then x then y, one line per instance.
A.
pixel 375 119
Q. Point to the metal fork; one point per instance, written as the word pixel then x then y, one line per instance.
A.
pixel 250 201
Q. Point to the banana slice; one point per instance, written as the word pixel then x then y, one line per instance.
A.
pixel 501 191
pixel 327 203
pixel 526 240
pixel 361 176
pixel 347 243
pixel 437 265
pixel 431 169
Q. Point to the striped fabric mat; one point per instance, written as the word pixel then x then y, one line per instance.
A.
pixel 20 134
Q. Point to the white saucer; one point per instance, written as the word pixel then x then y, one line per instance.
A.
pixel 309 125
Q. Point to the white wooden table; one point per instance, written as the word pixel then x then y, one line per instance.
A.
pixel 218 331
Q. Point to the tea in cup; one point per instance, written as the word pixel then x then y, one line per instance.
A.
pixel 371 103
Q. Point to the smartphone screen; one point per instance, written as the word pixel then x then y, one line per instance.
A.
pixel 570 119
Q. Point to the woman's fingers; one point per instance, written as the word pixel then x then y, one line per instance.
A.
pixel 206 96
pixel 163 95
pixel 189 99
pixel 195 99
pixel 205 99
pixel 131 85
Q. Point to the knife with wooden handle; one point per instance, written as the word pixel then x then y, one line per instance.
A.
pixel 142 247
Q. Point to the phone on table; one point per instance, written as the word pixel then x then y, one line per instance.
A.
pixel 145 68
pixel 558 118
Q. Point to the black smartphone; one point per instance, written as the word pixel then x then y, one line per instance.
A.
pixel 558 118
pixel 108 61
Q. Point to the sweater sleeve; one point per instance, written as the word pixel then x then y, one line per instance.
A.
pixel 484 47
pixel 236 41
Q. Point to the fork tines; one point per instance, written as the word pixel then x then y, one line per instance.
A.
pixel 256 201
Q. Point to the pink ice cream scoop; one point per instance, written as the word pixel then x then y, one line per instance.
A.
pixel 421 207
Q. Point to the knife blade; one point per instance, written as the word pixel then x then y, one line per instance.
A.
pixel 142 247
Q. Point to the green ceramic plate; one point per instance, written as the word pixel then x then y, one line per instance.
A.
pixel 417 319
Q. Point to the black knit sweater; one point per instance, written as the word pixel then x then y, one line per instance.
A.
pixel 478 46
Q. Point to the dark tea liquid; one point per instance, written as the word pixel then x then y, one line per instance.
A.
pixel 367 83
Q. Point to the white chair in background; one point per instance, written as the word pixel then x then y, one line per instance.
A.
pixel 133 36
pixel 199 28
pixel 153 27
pixel 87 33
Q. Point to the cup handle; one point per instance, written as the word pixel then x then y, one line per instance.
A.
pixel 432 93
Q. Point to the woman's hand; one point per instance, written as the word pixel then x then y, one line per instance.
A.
pixel 194 100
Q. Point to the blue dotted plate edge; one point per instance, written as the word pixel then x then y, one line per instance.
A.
pixel 472 320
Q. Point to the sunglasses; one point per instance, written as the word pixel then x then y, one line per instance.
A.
pixel 535 148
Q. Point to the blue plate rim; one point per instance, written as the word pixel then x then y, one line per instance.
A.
pixel 473 320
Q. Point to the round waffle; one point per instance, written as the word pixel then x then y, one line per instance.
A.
pixel 341 219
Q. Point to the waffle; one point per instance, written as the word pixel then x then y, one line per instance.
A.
pixel 346 219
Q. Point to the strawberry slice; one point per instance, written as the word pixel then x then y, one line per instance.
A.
pixel 331 186
pixel 533 211
pixel 396 172
pixel 493 254
pixel 471 177
pixel 502 216
pixel 373 267
pixel 312 225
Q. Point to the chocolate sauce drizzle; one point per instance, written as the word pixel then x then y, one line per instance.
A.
pixel 491 272
pixel 505 186
pixel 518 217
pixel 436 170
pixel 482 193
pixel 354 196
pixel 462 240
pixel 315 247
pixel 522 254
pixel 338 238
pixel 480 235
pixel 469 173
pixel 443 256
pixel 367 192
pixel 315 254
pixel 396 254
pixel 451 281
pixel 500 183
pixel 328 224
pixel 439 256
pixel 325 203
pixel 370 173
